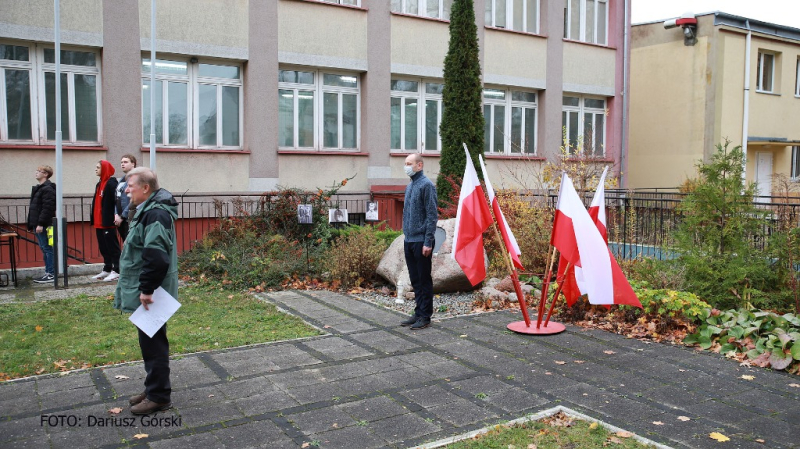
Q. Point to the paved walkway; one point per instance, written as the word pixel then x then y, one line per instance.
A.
pixel 370 383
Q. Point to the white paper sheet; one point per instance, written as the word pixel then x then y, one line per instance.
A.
pixel 160 311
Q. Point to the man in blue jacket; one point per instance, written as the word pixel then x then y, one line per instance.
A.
pixel 420 213
pixel 40 216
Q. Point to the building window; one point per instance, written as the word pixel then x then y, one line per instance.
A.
pixel 765 72
pixel 797 80
pixel 583 124
pixel 509 122
pixel 416 113
pixel 518 15
pixel 796 163
pixel 437 9
pixel 27 88
pixel 586 21
pixel 197 105
pixel 344 2
pixel 318 110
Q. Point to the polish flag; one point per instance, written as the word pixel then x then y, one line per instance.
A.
pixel 502 223
pixel 473 217
pixel 579 241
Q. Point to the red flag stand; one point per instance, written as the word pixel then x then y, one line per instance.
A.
pixel 549 327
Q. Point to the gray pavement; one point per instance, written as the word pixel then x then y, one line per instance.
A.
pixel 370 383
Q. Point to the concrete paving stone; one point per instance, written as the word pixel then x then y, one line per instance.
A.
pixel 384 341
pixel 766 403
pixel 322 420
pixel 447 369
pixel 694 433
pixel 245 363
pixel 431 396
pixel 627 383
pixel 88 417
pixel 236 389
pixel 258 404
pixel 315 393
pixel 373 409
pixel 20 405
pixel 29 443
pixel 673 396
pixel 261 434
pixel 360 386
pixel 21 429
pixel 422 358
pixel 351 326
pixel 72 397
pixel 338 349
pixel 52 384
pixel 133 381
pixel 288 356
pixel 481 384
pixel 204 440
pixel 515 400
pixel 85 438
pixel 348 438
pixel 403 428
pixel 787 433
pixel 430 336
pixel 298 378
pixel 721 413
pixel 344 371
pixel 15 390
pixel 404 377
pixel 189 397
pixel 461 412
pixel 203 415
pixel 384 364
pixel 190 371
pixel 607 403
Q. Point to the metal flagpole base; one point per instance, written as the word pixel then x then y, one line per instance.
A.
pixel 521 328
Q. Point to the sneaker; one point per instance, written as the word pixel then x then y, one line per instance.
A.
pixel 409 321
pixel 111 276
pixel 133 400
pixel 47 278
pixel 101 275
pixel 420 324
pixel 147 407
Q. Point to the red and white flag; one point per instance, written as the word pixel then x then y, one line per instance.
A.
pixel 502 223
pixel 579 241
pixel 473 217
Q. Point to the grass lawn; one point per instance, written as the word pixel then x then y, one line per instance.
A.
pixel 554 432
pixel 79 332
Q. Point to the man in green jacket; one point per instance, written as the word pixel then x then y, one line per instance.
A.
pixel 149 260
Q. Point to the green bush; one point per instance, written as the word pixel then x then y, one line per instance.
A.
pixel 658 274
pixel 353 257
pixel 667 304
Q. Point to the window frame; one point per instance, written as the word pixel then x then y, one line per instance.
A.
pixel 356 3
pixel 568 12
pixel 582 110
pixel 795 167
pixel 320 88
pixel 760 72
pixel 29 65
pixel 797 80
pixel 422 97
pixel 422 8
pixel 491 13
pixel 508 103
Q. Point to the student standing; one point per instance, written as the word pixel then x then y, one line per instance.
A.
pixel 127 163
pixel 102 219
pixel 41 211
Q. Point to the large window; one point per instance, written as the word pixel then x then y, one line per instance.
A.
pixel 765 72
pixel 796 163
pixel 437 9
pixel 586 21
pixel 318 110
pixel 27 90
pixel 344 2
pixel 509 122
pixel 518 15
pixel 797 80
pixel 584 125
pixel 416 113
pixel 197 105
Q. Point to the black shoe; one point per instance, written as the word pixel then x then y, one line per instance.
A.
pixel 47 278
pixel 147 407
pixel 409 321
pixel 420 324
pixel 133 400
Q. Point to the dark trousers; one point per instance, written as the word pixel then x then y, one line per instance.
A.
pixel 123 230
pixel 155 353
pixel 419 270
pixel 108 243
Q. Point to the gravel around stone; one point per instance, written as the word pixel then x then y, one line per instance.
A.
pixel 445 305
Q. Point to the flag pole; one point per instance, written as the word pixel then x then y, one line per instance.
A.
pixel 546 286
pixel 555 297
pixel 513 273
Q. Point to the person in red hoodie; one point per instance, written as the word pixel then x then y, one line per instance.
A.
pixel 102 219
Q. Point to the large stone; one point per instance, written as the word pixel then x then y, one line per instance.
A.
pixel 447 274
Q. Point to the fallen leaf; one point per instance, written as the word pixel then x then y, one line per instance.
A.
pixel 305 445
pixel 335 425
pixel 560 362
pixel 682 370
pixel 615 440
pixel 531 446
pixel 684 418
pixel 794 385
pixel 745 363
pixel 658 423
pixel 463 335
pixel 121 377
pixel 211 395
pixel 115 410
pixel 579 361
pixel 326 326
pixel 609 352
pixel 548 373
pixel 759 440
pixel 746 377
pixel 139 436
pixel 39 328
pixel 593 425
pixel 719 437
pixel 624 434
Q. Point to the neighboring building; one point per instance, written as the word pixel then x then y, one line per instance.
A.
pixel 300 93
pixel 686 97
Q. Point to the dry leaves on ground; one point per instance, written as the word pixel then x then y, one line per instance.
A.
pixel 115 410
pixel 719 437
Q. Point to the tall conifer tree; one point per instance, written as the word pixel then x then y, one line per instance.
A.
pixel 462 118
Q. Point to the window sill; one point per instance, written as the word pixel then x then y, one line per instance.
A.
pixel 591 160
pixel 359 8
pixel 516 157
pixel 775 94
pixel 590 44
pixel 322 153
pixel 195 151
pixel 506 30
pixel 414 16
pixel 396 153
pixel 31 146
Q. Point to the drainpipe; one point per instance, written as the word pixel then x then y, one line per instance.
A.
pixel 623 141
pixel 746 113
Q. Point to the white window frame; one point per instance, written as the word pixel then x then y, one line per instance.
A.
pixel 509 103
pixel 296 89
pixel 795 168
pixel 193 81
pixel 422 97
pixel 344 2
pixel 582 110
pixel 760 81
pixel 797 80
pixel 569 12
pixel 320 88
pixel 32 89
pixel 491 16
pixel 443 13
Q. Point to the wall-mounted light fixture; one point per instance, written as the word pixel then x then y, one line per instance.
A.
pixel 688 22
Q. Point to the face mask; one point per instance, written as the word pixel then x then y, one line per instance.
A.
pixel 409 170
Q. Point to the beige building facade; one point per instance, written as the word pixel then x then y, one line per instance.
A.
pixel 252 95
pixel 739 82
